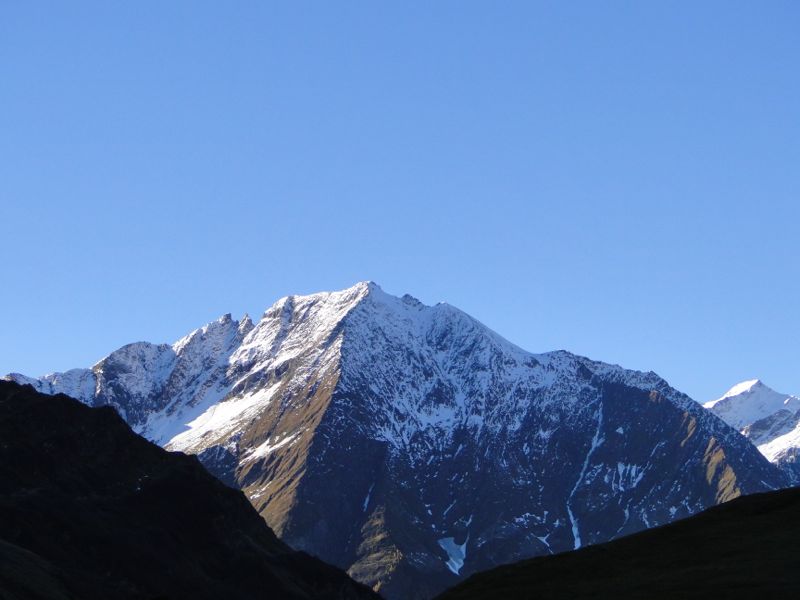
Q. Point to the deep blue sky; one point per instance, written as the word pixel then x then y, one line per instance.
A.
pixel 620 179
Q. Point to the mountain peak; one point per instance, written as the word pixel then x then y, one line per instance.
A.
pixel 361 288
pixel 369 285
pixel 769 419
pixel 745 386
pixel 351 295
pixel 747 402
pixel 362 425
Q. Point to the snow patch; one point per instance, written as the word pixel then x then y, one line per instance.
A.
pixel 597 440
pixel 269 446
pixel 222 416
pixel 456 553
pixel 366 500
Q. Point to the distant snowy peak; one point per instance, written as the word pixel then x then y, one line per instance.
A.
pixel 769 419
pixel 750 401
pixel 745 386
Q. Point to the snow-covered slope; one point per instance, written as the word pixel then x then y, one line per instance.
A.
pixel 770 420
pixel 749 401
pixel 412 445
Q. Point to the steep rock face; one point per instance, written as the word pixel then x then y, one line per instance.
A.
pixel 90 510
pixel 413 446
pixel 770 420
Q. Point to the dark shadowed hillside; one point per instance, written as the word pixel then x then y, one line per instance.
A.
pixel 746 548
pixel 88 509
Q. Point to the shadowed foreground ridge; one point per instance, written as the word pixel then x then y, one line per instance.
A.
pixel 88 509
pixel 742 549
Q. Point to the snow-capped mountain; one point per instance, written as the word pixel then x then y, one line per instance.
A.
pixel 770 420
pixel 412 445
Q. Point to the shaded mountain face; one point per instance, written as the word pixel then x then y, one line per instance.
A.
pixel 769 419
pixel 411 445
pixel 88 509
pixel 743 549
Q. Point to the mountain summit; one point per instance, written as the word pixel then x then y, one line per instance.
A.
pixel 412 445
pixel 770 420
pixel 750 401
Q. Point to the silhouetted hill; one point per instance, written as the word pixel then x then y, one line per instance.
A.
pixel 746 548
pixel 88 509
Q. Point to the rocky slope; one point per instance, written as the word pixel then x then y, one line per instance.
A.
pixel 743 549
pixel 770 420
pixel 90 510
pixel 413 446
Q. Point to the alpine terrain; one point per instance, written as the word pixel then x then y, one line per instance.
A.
pixel 770 420
pixel 411 445
pixel 90 510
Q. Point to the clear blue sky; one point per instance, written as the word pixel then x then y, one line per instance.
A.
pixel 619 179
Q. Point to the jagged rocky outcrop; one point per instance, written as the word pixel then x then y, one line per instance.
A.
pixel 413 446
pixel 88 509
pixel 769 419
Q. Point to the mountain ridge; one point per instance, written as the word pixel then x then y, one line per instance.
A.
pixel 412 445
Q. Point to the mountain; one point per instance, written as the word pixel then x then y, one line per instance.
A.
pixel 90 510
pixel 413 446
pixel 770 420
pixel 743 549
